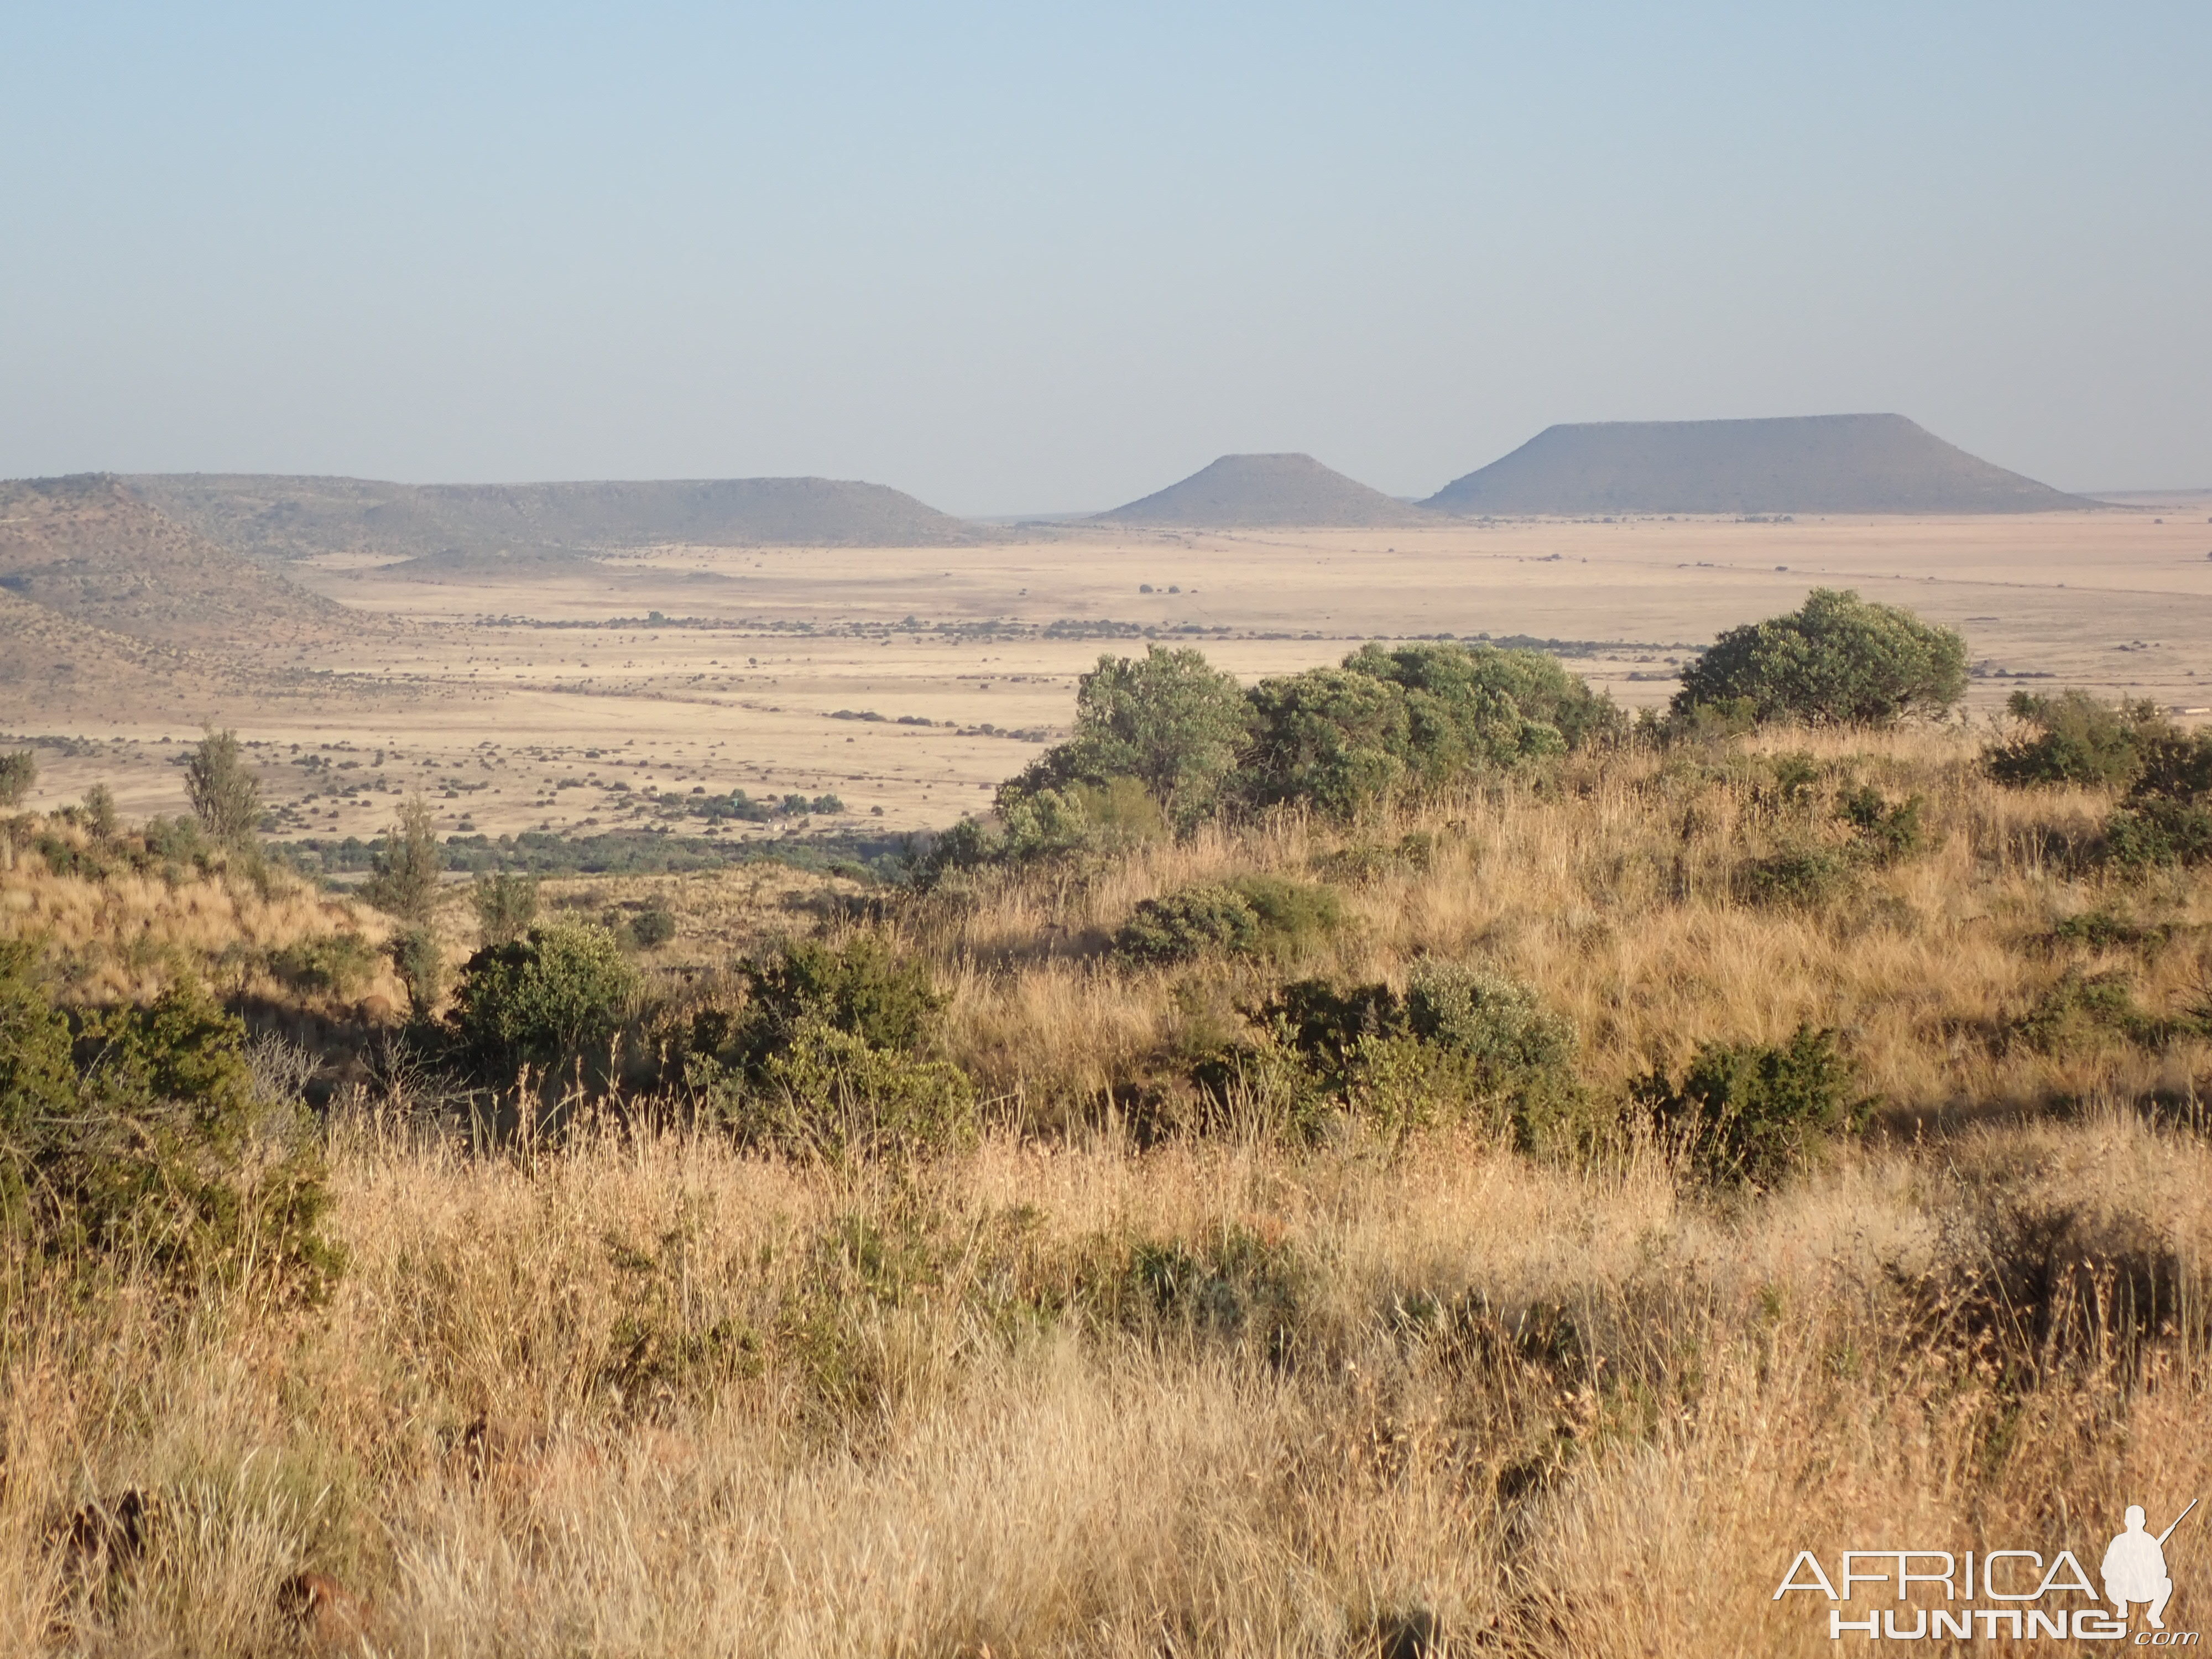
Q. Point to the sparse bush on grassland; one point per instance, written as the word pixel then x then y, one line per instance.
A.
pixel 1748 1114
pixel 1253 915
pixel 2074 738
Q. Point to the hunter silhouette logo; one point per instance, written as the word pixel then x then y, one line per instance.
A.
pixel 2029 1598
pixel 2135 1566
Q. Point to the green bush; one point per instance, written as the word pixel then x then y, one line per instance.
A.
pixel 861 987
pixel 1887 832
pixel 542 998
pixel 1798 878
pixel 654 926
pixel 1170 720
pixel 1196 921
pixel 1838 660
pixel 1749 1113
pixel 1458 1043
pixel 506 904
pixel 1333 739
pixel 2076 738
pixel 19 772
pixel 2087 1012
pixel 337 964
pixel 829 1093
pixel 140 1135
pixel 2167 816
pixel 1252 915
pixel 226 796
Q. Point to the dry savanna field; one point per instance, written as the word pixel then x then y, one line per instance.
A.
pixel 1175 1338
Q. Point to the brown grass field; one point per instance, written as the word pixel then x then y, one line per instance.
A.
pixel 1096 1386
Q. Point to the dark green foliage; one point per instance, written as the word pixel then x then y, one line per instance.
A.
pixel 2087 1012
pixel 1748 1114
pixel 1887 832
pixel 1799 878
pixel 1330 739
pixel 419 961
pixel 861 987
pixel 19 773
pixel 830 1056
pixel 2104 927
pixel 506 905
pixel 1797 775
pixel 337 964
pixel 226 796
pixel 830 1094
pixel 1423 715
pixel 2076 738
pixel 1252 915
pixel 1195 921
pixel 99 812
pixel 654 925
pixel 1838 660
pixel 2167 818
pixel 175 841
pixel 404 880
pixel 143 1136
pixel 1460 1043
pixel 542 998
pixel 1234 1287
pixel 1169 719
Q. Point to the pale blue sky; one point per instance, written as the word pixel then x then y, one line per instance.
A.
pixel 1033 258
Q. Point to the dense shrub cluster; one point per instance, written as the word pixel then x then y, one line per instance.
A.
pixel 1252 915
pixel 2076 738
pixel 139 1131
pixel 1838 660
pixel 833 1054
pixel 1458 1044
pixel 542 999
pixel 1748 1114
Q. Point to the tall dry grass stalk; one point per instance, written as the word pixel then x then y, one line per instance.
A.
pixel 641 1395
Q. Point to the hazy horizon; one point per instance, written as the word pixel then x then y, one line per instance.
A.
pixel 1014 263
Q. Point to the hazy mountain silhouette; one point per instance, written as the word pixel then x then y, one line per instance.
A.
pixel 86 548
pixel 277 516
pixel 1258 491
pixel 1805 464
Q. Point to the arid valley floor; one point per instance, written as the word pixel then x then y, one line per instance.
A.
pixel 527 692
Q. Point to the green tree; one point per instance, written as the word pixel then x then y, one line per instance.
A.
pixel 1170 720
pixel 100 816
pixel 1480 708
pixel 403 882
pixel 2076 738
pixel 506 906
pixel 1838 660
pixel 225 795
pixel 1333 738
pixel 19 770
pixel 539 999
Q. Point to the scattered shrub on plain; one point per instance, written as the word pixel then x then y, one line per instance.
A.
pixel 1796 878
pixel 333 964
pixel 1887 831
pixel 19 775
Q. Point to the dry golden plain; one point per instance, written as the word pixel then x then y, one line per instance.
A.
pixel 522 697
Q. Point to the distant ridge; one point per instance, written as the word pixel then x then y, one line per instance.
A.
pixel 277 516
pixel 1802 463
pixel 85 547
pixel 1263 491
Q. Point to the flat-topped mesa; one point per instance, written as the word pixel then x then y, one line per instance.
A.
pixel 1800 464
pixel 1239 492
pixel 279 516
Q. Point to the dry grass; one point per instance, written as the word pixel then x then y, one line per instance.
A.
pixel 644 1396
pixel 639 1393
